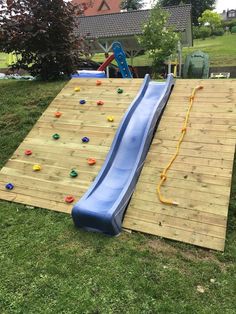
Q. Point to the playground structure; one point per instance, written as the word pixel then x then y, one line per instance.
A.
pixel 196 65
pixel 62 157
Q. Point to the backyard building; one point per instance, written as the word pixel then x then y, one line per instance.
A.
pixel 101 30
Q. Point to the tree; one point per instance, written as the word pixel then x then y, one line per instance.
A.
pixel 41 33
pixel 130 5
pixel 157 39
pixel 198 6
pixel 211 19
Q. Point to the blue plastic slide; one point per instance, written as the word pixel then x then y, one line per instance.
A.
pixel 102 207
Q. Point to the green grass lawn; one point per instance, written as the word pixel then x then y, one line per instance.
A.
pixel 47 266
pixel 221 49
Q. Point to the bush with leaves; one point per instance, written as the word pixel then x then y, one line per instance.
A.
pixel 204 32
pixel 41 33
pixel 159 40
pixel 210 18
pixel 218 32
pixel 233 30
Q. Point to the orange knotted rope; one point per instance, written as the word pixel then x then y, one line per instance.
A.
pixel 183 132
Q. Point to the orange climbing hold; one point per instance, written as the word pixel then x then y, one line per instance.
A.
pixel 69 199
pixel 57 114
pixel 91 161
pixel 98 82
pixel 100 103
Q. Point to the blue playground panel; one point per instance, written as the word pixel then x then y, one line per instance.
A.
pixel 120 58
pixel 102 207
pixel 88 73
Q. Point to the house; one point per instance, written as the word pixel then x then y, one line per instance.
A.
pixel 228 15
pixel 97 7
pixel 100 31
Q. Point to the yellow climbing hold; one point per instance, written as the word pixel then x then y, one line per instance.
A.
pixel 110 119
pixel 183 132
pixel 77 89
pixel 37 168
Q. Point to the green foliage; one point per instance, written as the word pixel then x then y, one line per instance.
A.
pixel 157 39
pixel 218 31
pixel 210 18
pixel 204 32
pixel 233 29
pixel 198 6
pixel 42 34
pixel 196 32
pixel 229 24
pixel 130 5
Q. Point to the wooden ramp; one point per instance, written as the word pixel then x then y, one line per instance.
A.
pixel 200 178
pixel 49 187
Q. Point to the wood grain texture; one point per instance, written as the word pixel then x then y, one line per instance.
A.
pixel 200 178
pixel 49 187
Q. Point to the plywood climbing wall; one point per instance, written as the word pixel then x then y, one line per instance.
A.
pixel 49 187
pixel 200 178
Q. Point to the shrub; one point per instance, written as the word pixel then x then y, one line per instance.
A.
pixel 233 30
pixel 42 34
pixel 218 31
pixel 204 32
pixel 196 32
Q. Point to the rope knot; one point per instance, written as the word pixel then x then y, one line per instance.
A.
pixel 184 129
pixel 191 98
pixel 163 176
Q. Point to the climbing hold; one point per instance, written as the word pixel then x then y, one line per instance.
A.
pixel 36 167
pixel 77 89
pixel 56 136
pixel 98 82
pixel 119 90
pixel 85 139
pixel 110 119
pixel 57 114
pixel 28 152
pixel 91 161
pixel 82 101
pixel 100 103
pixel 73 173
pixel 9 186
pixel 69 199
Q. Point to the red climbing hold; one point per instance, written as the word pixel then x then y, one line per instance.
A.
pixel 28 152
pixel 91 161
pixel 98 82
pixel 57 114
pixel 100 103
pixel 69 199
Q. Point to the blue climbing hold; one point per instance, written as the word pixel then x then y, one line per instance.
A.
pixel 82 101
pixel 85 139
pixel 9 186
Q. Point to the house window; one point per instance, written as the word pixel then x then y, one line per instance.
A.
pixel 232 14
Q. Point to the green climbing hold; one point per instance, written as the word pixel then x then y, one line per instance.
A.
pixel 119 90
pixel 73 173
pixel 56 136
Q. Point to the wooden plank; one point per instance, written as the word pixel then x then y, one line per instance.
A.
pixel 200 178
pixel 211 242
